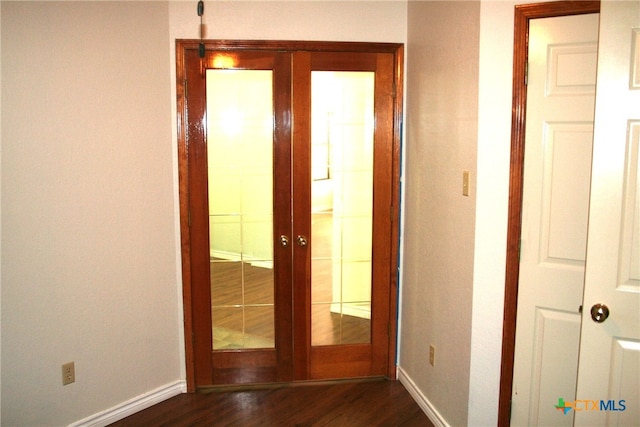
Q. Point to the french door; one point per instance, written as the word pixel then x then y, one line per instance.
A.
pixel 288 161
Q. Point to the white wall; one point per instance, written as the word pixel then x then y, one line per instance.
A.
pixel 437 269
pixel 494 140
pixel 89 267
pixel 382 21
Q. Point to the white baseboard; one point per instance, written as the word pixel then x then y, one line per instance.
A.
pixel 436 418
pixel 132 406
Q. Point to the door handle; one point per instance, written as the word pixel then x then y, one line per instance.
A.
pixel 284 241
pixel 301 240
pixel 599 313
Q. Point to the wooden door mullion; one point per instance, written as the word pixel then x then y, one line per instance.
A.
pixel 283 262
pixel 301 161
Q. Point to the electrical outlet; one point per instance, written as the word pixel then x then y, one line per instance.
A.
pixel 68 373
pixel 432 355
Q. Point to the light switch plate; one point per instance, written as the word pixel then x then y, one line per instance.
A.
pixel 465 183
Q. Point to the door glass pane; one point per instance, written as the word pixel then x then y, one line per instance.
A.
pixel 342 202
pixel 240 158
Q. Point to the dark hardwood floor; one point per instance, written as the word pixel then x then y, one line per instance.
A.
pixel 339 404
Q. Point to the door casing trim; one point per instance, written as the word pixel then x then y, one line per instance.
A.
pixel 182 46
pixel 523 14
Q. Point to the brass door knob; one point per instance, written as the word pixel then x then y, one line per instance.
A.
pixel 301 240
pixel 599 313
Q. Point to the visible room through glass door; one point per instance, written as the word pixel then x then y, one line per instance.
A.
pixel 289 185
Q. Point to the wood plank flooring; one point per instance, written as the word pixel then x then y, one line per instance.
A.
pixel 242 299
pixel 339 404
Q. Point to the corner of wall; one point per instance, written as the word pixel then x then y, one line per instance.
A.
pixel 494 140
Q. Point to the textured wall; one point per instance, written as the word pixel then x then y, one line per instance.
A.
pixel 89 267
pixel 437 285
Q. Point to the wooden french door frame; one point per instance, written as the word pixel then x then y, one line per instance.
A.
pixel 184 48
pixel 523 14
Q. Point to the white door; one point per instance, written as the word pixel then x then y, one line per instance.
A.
pixel 558 141
pixel 609 367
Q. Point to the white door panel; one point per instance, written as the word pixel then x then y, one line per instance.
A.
pixel 609 364
pixel 566 175
pixel 555 344
pixel 558 141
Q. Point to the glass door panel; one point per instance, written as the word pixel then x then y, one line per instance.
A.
pixel 240 115
pixel 289 258
pixel 342 144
